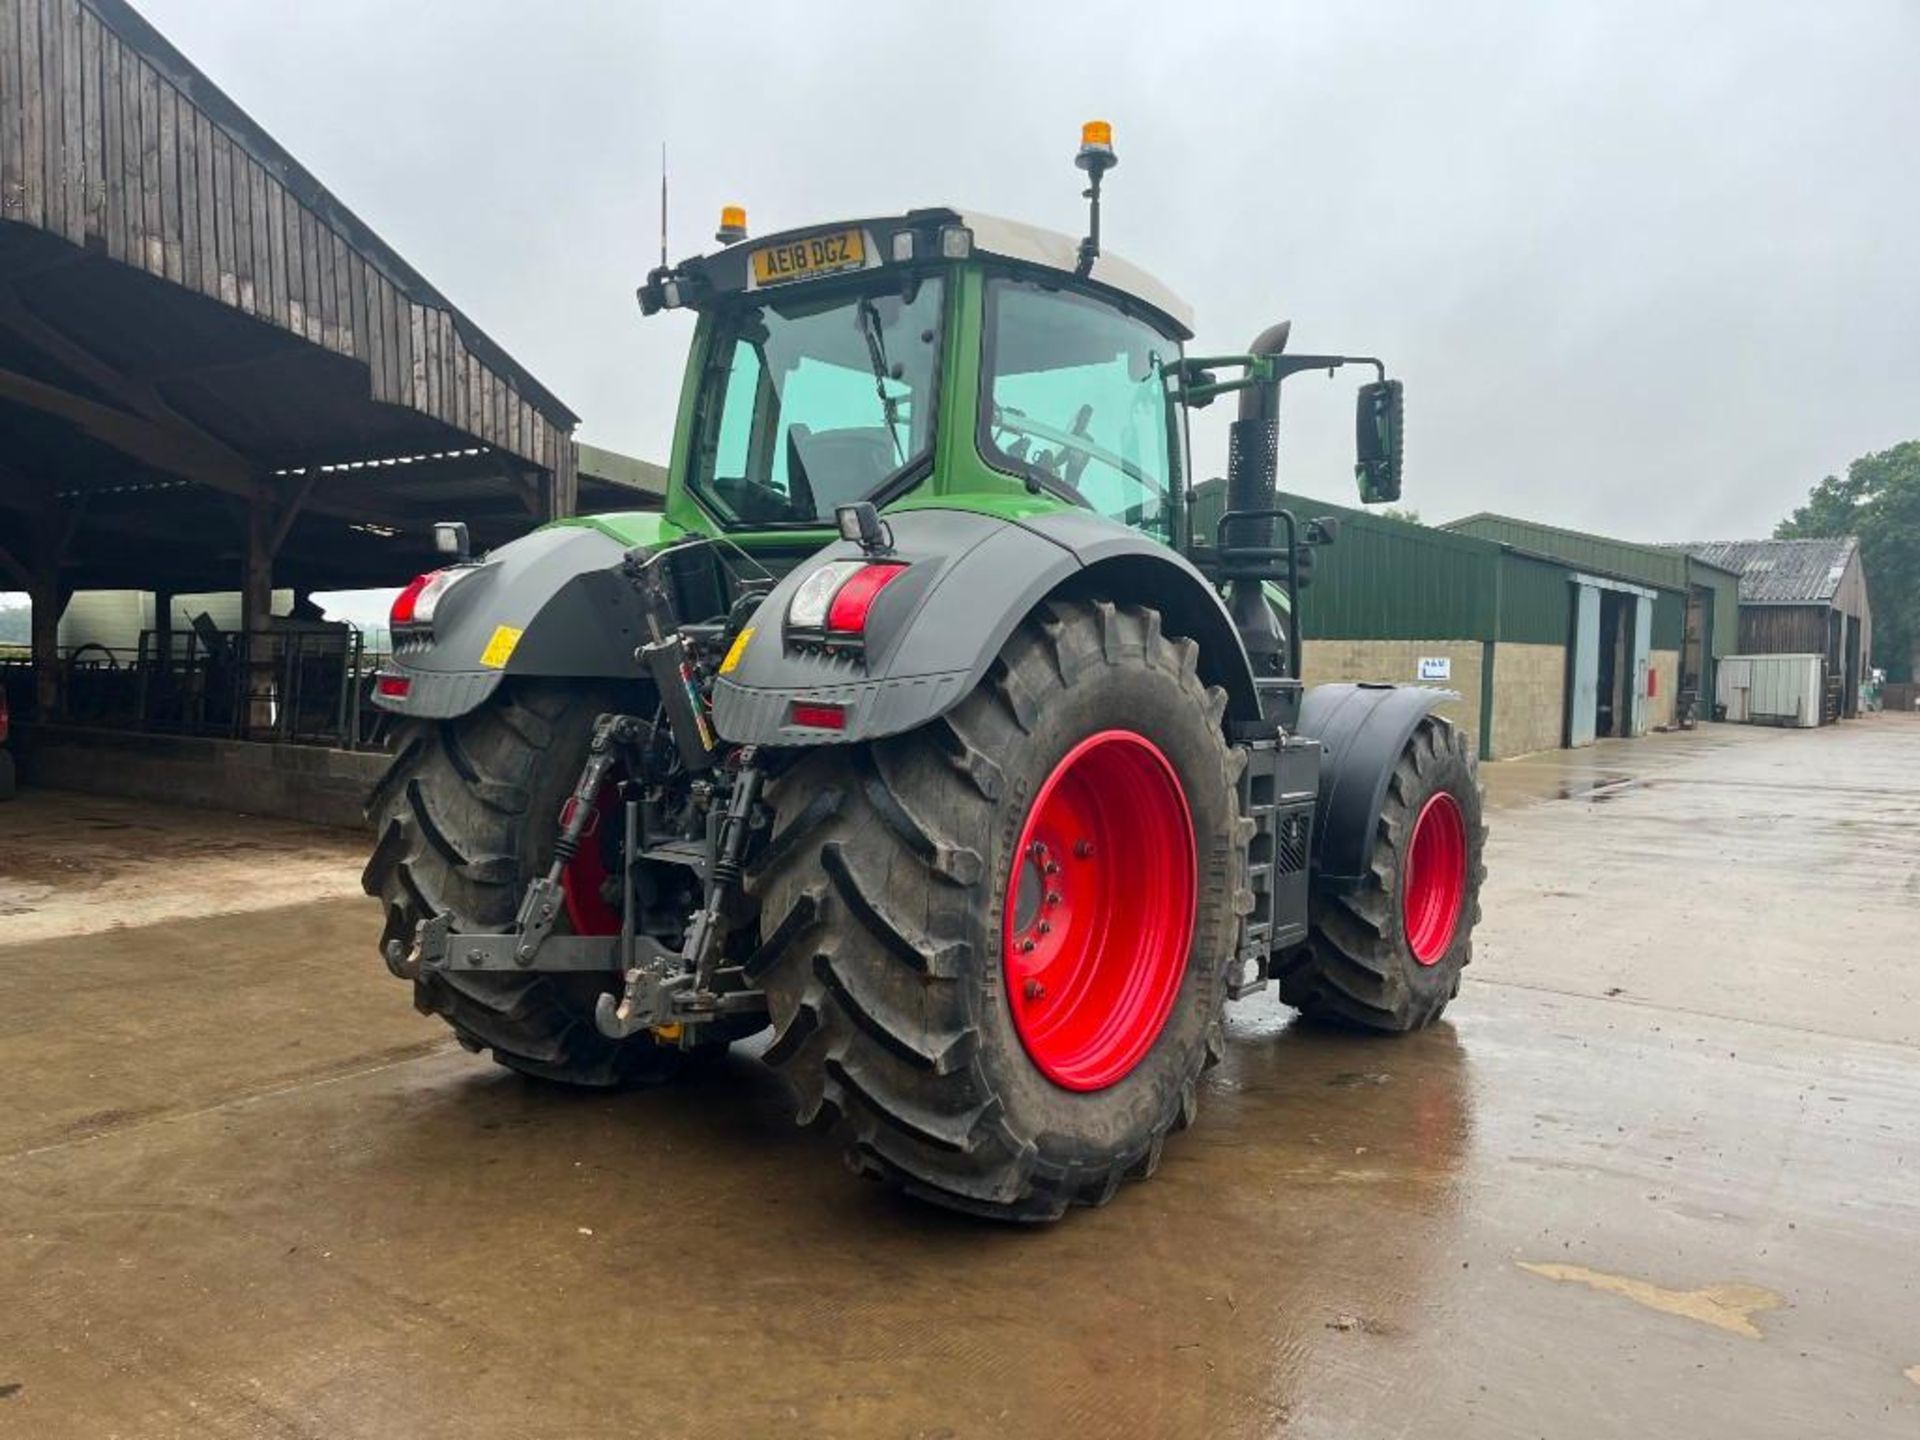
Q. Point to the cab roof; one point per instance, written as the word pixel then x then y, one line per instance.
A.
pixel 730 270
pixel 1016 240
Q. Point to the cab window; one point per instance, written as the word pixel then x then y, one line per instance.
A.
pixel 1078 398
pixel 809 403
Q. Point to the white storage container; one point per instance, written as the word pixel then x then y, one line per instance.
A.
pixel 1771 689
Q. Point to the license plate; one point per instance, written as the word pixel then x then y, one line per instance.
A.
pixel 805 259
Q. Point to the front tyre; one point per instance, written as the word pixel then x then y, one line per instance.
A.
pixel 1387 955
pixel 996 947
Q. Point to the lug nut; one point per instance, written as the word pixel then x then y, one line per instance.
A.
pixel 1026 946
pixel 1046 927
pixel 1052 867
pixel 1083 849
pixel 1053 897
pixel 1035 990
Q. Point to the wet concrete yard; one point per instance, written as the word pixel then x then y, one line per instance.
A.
pixel 1659 1174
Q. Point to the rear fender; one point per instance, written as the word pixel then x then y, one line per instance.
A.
pixel 1362 729
pixel 550 603
pixel 932 633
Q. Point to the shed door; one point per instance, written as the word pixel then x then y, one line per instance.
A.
pixel 1586 665
pixel 1642 634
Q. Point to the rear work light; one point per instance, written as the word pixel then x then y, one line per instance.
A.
pixel 833 602
pixel 415 604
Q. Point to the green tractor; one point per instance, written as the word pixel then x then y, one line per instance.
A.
pixel 939 724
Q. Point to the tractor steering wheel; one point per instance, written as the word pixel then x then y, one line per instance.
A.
pixel 1084 448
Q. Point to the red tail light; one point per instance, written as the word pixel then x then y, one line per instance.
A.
pixel 394 687
pixel 833 601
pixel 415 604
pixel 847 615
pixel 405 602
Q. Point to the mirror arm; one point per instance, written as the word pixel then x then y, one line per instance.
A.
pixel 1260 370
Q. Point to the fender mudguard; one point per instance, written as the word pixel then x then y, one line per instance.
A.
pixel 1362 730
pixel 932 633
pixel 550 603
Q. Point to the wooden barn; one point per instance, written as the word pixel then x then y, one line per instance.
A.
pixel 213 374
pixel 1803 597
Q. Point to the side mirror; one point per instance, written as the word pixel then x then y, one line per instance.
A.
pixel 1378 425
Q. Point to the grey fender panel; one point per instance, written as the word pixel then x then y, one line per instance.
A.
pixel 1362 729
pixel 933 632
pixel 560 588
pixel 1160 576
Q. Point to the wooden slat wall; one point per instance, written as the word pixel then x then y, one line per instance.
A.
pixel 100 148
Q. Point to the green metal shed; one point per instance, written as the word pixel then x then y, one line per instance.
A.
pixel 1697 612
pixel 1500 620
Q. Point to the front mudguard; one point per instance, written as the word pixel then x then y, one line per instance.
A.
pixel 551 603
pixel 1361 729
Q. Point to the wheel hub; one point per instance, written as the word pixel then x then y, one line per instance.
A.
pixel 1099 911
pixel 1436 879
pixel 584 880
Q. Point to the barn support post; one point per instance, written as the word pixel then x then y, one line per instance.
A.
pixel 163 628
pixel 44 595
pixel 37 571
pixel 256 608
pixel 271 510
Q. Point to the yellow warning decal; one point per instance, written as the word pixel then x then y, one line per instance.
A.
pixel 736 650
pixel 500 648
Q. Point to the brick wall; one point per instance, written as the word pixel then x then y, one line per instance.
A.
pixel 1529 698
pixel 1398 662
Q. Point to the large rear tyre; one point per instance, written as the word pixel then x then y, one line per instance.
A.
pixel 467 814
pixel 996 948
pixel 1388 955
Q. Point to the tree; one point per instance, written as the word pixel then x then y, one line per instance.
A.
pixel 1879 501
pixel 1401 512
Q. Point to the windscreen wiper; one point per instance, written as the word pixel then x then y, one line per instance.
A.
pixel 877 357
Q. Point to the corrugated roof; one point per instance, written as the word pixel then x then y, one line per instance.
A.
pixel 1602 554
pixel 1781 572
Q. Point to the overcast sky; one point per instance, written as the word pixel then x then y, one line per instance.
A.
pixel 1648 269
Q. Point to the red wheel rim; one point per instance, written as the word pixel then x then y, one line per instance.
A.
pixel 584 880
pixel 1436 879
pixel 1099 910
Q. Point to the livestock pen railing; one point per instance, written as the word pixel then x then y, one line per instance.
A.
pixel 308 687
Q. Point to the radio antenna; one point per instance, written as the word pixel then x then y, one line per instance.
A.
pixel 663 204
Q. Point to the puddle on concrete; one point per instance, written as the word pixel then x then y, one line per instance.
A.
pixel 1725 1307
pixel 1597 788
pixel 1613 789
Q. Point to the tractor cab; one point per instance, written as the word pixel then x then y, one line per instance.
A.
pixel 920 358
